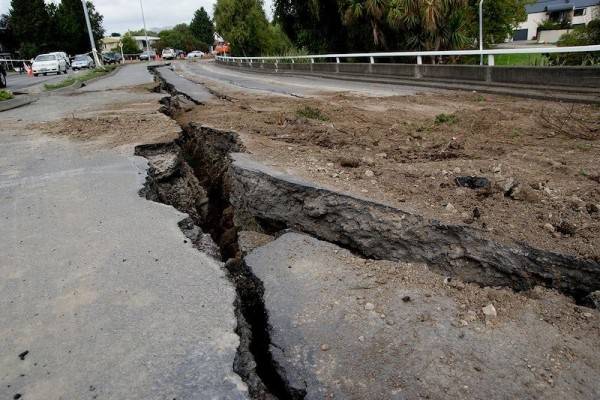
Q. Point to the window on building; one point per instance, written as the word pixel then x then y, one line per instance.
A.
pixel 578 12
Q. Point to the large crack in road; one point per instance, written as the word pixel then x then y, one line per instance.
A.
pixel 205 174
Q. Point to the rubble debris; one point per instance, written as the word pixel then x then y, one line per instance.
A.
pixel 472 182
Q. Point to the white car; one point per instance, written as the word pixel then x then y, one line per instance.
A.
pixel 168 54
pixel 64 56
pixel 195 54
pixel 49 63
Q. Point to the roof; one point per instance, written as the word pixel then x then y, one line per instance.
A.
pixel 556 5
pixel 150 38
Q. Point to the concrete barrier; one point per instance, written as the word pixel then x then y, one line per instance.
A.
pixel 575 77
pixel 561 76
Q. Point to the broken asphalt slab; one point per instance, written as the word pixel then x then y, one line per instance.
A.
pixel 100 287
pixel 344 327
pixel 176 84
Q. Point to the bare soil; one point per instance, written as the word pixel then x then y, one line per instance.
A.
pixel 540 158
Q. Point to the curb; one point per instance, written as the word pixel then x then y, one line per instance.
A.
pixel 17 102
pixel 79 84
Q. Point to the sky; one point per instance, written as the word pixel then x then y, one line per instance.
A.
pixel 123 15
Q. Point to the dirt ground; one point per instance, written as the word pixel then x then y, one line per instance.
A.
pixel 540 158
pixel 118 125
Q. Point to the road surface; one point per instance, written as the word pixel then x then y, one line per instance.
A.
pixel 287 85
pixel 102 295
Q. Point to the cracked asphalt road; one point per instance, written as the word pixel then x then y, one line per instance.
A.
pixel 102 295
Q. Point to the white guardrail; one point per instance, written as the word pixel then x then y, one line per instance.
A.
pixel 418 54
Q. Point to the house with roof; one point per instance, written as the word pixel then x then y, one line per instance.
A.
pixel 564 14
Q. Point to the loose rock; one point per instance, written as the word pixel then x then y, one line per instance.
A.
pixel 489 311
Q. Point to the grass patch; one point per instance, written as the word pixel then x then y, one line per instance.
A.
pixel 5 95
pixel 445 119
pixel 94 73
pixel 521 59
pixel 311 113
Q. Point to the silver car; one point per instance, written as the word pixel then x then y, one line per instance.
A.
pixel 82 61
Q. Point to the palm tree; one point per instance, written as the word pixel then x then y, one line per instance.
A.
pixel 430 24
pixel 372 10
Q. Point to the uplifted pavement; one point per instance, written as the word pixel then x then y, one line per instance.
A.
pixel 102 295
pixel 343 327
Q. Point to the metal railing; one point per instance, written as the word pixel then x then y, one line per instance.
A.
pixel 418 54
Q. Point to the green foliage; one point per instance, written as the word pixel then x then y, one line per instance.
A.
pixel 500 19
pixel 72 32
pixel 5 95
pixel 522 59
pixel 36 27
pixel 580 36
pixel 549 25
pixel 367 25
pixel 202 27
pixel 181 38
pixel 448 119
pixel 243 23
pixel 311 113
pixel 130 46
pixel 30 24
pixel 315 25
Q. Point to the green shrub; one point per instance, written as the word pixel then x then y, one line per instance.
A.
pixel 5 95
pixel 445 119
pixel 311 113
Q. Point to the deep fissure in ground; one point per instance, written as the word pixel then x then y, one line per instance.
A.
pixel 189 174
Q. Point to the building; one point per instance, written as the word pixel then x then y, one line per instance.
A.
pixel 566 14
pixel 110 44
pixel 141 41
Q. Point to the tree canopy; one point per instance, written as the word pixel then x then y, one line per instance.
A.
pixel 36 27
pixel 180 38
pixel 202 27
pixel 367 25
pixel 244 24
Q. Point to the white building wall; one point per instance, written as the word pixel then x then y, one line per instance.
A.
pixel 533 20
pixel 587 16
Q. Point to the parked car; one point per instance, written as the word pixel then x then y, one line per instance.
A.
pixel 147 55
pixel 49 63
pixel 168 54
pixel 2 75
pixel 195 54
pixel 111 58
pixel 82 61
pixel 179 53
pixel 64 56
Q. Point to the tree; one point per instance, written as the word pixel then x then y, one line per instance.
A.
pixel 7 37
pixel 243 23
pixel 130 46
pixel 30 22
pixel 315 25
pixel 115 34
pixel 430 25
pixel 372 12
pixel 500 18
pixel 181 38
pixel 202 27
pixel 72 27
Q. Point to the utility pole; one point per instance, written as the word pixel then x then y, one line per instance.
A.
pixel 145 31
pixel 89 28
pixel 480 31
